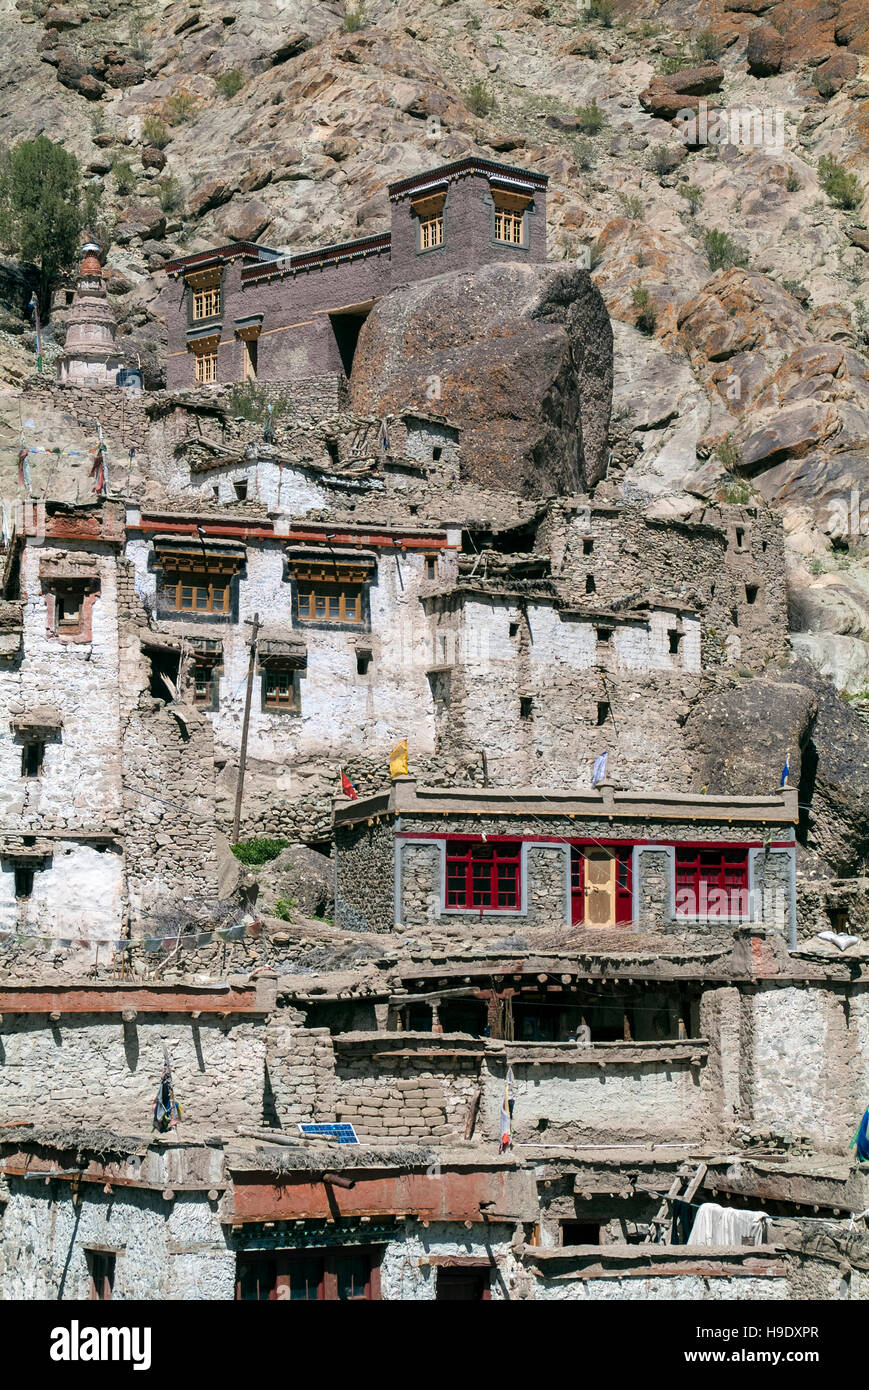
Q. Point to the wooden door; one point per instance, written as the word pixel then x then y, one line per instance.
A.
pixel 600 887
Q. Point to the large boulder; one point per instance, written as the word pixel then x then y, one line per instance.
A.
pixel 519 356
pixel 765 51
pixel 301 878
pixel 742 734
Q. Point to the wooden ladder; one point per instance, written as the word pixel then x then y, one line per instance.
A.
pixel 664 1216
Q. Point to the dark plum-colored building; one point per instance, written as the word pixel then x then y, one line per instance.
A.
pixel 245 312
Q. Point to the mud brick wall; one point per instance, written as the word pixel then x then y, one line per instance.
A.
pixel 301 1072
pixel 399 1097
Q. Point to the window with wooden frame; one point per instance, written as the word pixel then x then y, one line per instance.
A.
pixel 483 876
pixel 197 593
pixel 206 303
pixel 430 215
pixel 280 689
pixel 345 1275
pixel 204 682
pixel 711 882
pixel 206 367
pixel 68 604
pixel 329 603
pixel 510 211
pixel 101 1267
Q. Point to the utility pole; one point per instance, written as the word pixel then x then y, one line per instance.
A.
pixel 244 728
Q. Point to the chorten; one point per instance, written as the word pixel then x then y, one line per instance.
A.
pixel 90 355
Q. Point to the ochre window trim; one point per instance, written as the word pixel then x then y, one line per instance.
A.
pixel 206 303
pixel 206 368
pixel 329 603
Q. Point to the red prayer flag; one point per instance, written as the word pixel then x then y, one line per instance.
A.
pixel 347 787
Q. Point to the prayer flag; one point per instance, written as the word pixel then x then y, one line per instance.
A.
pixel 506 1120
pixel 398 760
pixel 167 1111
pixel 598 772
pixel 347 786
pixel 861 1138
pixel 786 770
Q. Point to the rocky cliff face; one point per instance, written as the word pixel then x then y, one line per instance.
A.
pixel 740 365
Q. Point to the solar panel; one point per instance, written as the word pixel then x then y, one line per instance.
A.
pixel 345 1134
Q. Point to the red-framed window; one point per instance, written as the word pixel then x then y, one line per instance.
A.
pixel 624 881
pixel 342 1275
pixel 484 877
pixel 711 882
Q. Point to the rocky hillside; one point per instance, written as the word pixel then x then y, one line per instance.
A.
pixel 736 274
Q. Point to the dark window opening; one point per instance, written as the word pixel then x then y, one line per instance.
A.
pixel 431 566
pixel 587 545
pixel 526 706
pixel 24 881
pixel 363 661
pixel 751 592
pixel 580 1232
pixel 436 453
pixel 838 918
pixel 101 1266
pixel 463 1016
pixel 740 537
pixel 332 451
pixel 204 684
pixel 346 328
pixel 603 711
pixel 163 663
pixel 31 759
pixel 279 689
pixel 465 1283
pixel 215 493
pixel 240 489
pixel 590 586
pixel 675 640
pixel 513 629
pixel 68 607
pixel 603 634
pixel 341 1275
pixel 518 540
pixel 734 614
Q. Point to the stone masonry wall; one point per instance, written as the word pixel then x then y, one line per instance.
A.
pixel 92 1070
pixel 402 1097
pixel 365 895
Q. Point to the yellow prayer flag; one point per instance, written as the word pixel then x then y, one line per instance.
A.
pixel 398 760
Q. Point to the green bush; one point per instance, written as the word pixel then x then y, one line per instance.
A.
pixel 479 99
pixel 692 195
pixel 647 314
pixel 251 402
pixel 125 178
pixel 707 45
pixel 259 850
pixel 179 108
pixel 722 251
pixel 354 20
pixel 171 194
pixel 632 205
pixel 841 188
pixel 730 457
pixel 792 182
pixel 228 83
pixel 602 11
pixel 591 119
pixel 283 909
pixel 155 132
pixel 584 154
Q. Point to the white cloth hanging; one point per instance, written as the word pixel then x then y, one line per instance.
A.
pixel 715 1225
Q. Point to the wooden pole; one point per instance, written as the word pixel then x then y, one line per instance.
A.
pixel 242 759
